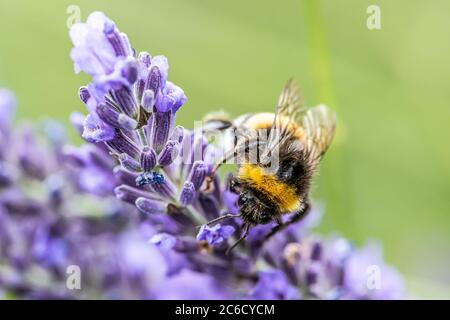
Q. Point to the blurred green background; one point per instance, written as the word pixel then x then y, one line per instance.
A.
pixel 387 176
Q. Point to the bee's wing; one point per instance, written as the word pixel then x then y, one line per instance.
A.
pixel 289 109
pixel 319 124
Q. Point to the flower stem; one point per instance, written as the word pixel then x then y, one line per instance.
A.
pixel 142 136
pixel 338 194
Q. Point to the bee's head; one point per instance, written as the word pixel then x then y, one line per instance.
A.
pixel 252 209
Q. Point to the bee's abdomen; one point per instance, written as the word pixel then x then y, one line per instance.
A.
pixel 280 194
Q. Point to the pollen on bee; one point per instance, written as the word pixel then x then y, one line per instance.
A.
pixel 264 120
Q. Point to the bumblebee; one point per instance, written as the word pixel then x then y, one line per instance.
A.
pixel 296 138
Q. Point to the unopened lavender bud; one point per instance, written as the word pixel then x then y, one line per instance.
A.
pixel 154 79
pixel 125 99
pixel 151 206
pixel 177 134
pixel 162 122
pixel 129 163
pixel 125 176
pixel 115 119
pixel 168 153
pixel 145 58
pixel 198 174
pixel 148 100
pixel 188 194
pixel 84 94
pixel 148 159
pixel 139 89
pixel 129 194
pixel 115 39
pixel 123 144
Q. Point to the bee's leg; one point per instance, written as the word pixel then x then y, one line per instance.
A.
pixel 217 124
pixel 209 179
pixel 295 218
pixel 243 145
pixel 278 220
pixel 225 216
pixel 244 235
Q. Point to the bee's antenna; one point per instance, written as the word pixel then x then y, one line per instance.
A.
pixel 225 216
pixel 244 235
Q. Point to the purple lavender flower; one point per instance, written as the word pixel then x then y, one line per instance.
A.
pixel 215 235
pixel 126 90
pixel 162 166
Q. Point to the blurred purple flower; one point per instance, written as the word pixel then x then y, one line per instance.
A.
pixel 191 285
pixel 368 277
pixel 273 285
pixel 92 169
pixel 7 110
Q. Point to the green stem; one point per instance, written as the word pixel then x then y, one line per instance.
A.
pixel 319 53
pixel 337 193
pixel 142 136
